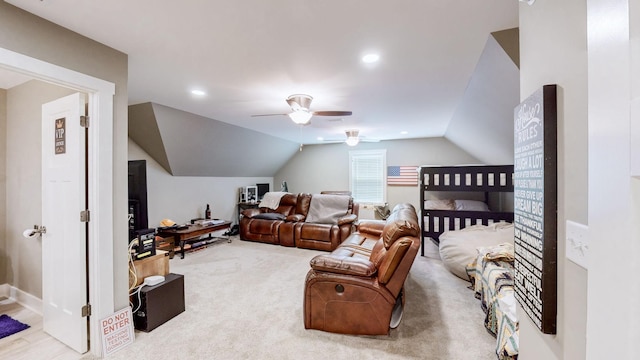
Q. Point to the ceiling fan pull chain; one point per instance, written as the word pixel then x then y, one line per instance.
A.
pixel 300 137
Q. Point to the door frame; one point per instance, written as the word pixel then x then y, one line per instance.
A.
pixel 100 186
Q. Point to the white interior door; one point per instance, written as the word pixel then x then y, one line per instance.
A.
pixel 64 280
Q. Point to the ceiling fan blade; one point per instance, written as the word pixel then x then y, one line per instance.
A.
pixel 332 113
pixel 268 115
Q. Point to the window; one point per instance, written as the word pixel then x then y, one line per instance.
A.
pixel 366 176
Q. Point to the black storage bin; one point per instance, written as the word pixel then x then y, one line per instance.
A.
pixel 160 303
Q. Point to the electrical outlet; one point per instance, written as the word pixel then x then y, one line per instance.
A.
pixel 577 243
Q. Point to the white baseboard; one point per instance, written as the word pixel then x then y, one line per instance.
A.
pixel 23 298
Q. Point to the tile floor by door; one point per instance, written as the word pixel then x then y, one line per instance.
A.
pixel 32 343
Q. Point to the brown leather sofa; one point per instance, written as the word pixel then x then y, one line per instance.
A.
pixel 326 236
pixel 288 225
pixel 275 226
pixel 358 288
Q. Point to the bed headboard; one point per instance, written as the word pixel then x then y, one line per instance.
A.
pixel 490 178
pixel 475 178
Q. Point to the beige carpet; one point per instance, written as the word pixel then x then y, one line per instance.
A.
pixel 244 301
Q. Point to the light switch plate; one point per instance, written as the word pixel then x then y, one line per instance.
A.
pixel 577 243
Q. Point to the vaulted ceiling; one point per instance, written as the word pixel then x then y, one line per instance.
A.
pixel 248 56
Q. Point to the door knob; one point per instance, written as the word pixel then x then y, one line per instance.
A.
pixel 37 230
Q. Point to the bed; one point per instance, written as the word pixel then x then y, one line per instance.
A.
pixel 455 197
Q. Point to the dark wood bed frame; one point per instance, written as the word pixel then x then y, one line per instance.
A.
pixel 476 178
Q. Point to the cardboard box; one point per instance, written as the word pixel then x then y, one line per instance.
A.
pixel 157 264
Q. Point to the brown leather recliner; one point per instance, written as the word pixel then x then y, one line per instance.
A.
pixel 275 226
pixel 358 288
pixel 326 236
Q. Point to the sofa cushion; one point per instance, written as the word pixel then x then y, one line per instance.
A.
pixel 288 203
pixel 396 229
pixel 392 258
pixel 269 216
pixel 343 261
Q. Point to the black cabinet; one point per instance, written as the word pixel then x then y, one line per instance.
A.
pixel 159 303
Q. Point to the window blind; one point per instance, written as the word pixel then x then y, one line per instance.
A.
pixel 367 174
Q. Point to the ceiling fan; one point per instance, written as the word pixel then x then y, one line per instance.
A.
pixel 353 138
pixel 300 113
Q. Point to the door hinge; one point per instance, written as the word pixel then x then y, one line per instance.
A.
pixel 86 310
pixel 84 121
pixel 85 216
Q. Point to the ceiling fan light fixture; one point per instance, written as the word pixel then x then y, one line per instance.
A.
pixel 300 117
pixel 299 102
pixel 352 141
pixel 352 137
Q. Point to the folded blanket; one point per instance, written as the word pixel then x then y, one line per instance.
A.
pixel 271 199
pixel 502 252
pixel 327 208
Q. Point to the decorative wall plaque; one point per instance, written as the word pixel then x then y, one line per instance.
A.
pixel 535 207
pixel 60 140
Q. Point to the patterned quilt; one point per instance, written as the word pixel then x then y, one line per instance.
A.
pixel 491 277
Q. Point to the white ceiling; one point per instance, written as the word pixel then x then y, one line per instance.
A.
pixel 249 55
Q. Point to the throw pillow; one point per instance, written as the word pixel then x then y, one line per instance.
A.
pixel 269 216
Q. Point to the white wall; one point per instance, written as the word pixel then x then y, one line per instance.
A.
pixel 585 48
pixel 35 37
pixel 614 203
pixel 24 181
pixel 483 121
pixel 182 198
pixel 553 51
pixel 326 167
pixel 4 258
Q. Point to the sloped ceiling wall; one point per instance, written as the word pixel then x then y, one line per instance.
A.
pixel 186 144
pixel 482 125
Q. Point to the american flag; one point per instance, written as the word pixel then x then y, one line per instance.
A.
pixel 402 175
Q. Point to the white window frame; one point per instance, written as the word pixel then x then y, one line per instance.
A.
pixel 380 155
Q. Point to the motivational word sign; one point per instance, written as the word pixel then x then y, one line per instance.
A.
pixel 116 331
pixel 535 207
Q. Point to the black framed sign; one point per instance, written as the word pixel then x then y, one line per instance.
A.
pixel 535 207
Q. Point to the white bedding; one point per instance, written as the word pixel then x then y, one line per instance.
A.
pixel 459 248
pixel 451 204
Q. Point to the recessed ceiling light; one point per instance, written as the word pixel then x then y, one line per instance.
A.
pixel 198 92
pixel 320 138
pixel 404 132
pixel 370 58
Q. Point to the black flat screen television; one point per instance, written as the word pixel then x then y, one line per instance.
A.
pixel 262 189
pixel 138 215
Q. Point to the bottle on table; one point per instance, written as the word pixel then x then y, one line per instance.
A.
pixel 207 212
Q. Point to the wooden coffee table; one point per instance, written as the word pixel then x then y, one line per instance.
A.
pixel 193 234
